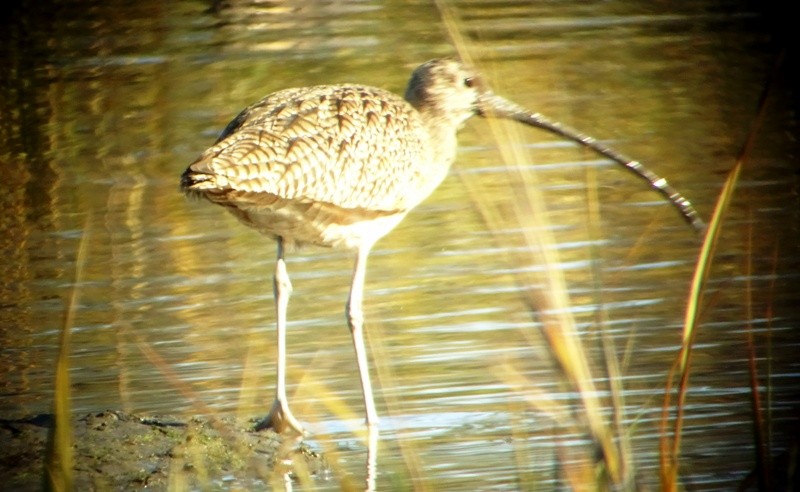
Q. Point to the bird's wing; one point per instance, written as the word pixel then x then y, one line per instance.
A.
pixel 350 146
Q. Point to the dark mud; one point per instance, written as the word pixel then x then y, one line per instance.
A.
pixel 118 451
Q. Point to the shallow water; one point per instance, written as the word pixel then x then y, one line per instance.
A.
pixel 104 106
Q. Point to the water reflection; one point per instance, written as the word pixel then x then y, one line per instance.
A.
pixel 104 105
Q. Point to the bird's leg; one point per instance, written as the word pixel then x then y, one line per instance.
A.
pixel 355 320
pixel 280 417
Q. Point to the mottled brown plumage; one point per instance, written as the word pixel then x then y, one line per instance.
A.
pixel 315 165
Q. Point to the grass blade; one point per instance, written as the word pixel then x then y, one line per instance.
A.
pixel 669 454
pixel 59 457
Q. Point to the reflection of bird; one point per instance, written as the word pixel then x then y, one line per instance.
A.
pixel 340 166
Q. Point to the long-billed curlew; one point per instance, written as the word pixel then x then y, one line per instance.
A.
pixel 341 165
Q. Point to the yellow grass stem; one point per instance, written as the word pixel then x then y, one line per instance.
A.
pixel 768 355
pixel 171 376
pixel 669 462
pixel 669 457
pixel 762 454
pixel 408 448
pixel 612 365
pixel 551 303
pixel 59 456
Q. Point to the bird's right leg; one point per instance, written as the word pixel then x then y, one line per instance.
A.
pixel 355 320
pixel 280 417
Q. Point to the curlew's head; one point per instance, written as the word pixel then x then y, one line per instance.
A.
pixel 445 91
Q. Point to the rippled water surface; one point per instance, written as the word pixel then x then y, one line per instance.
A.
pixel 105 104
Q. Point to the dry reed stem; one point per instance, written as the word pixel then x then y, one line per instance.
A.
pixel 408 448
pixel 59 458
pixel 759 440
pixel 551 303
pixel 670 454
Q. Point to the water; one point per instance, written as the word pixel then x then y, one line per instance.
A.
pixel 105 104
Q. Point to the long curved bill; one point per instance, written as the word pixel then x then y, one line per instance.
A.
pixel 492 105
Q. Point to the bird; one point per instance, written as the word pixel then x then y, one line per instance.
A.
pixel 340 166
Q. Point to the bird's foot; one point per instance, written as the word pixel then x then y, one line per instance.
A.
pixel 280 419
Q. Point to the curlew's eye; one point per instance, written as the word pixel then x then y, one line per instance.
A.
pixel 469 82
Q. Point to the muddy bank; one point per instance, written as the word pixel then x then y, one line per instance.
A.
pixel 118 451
